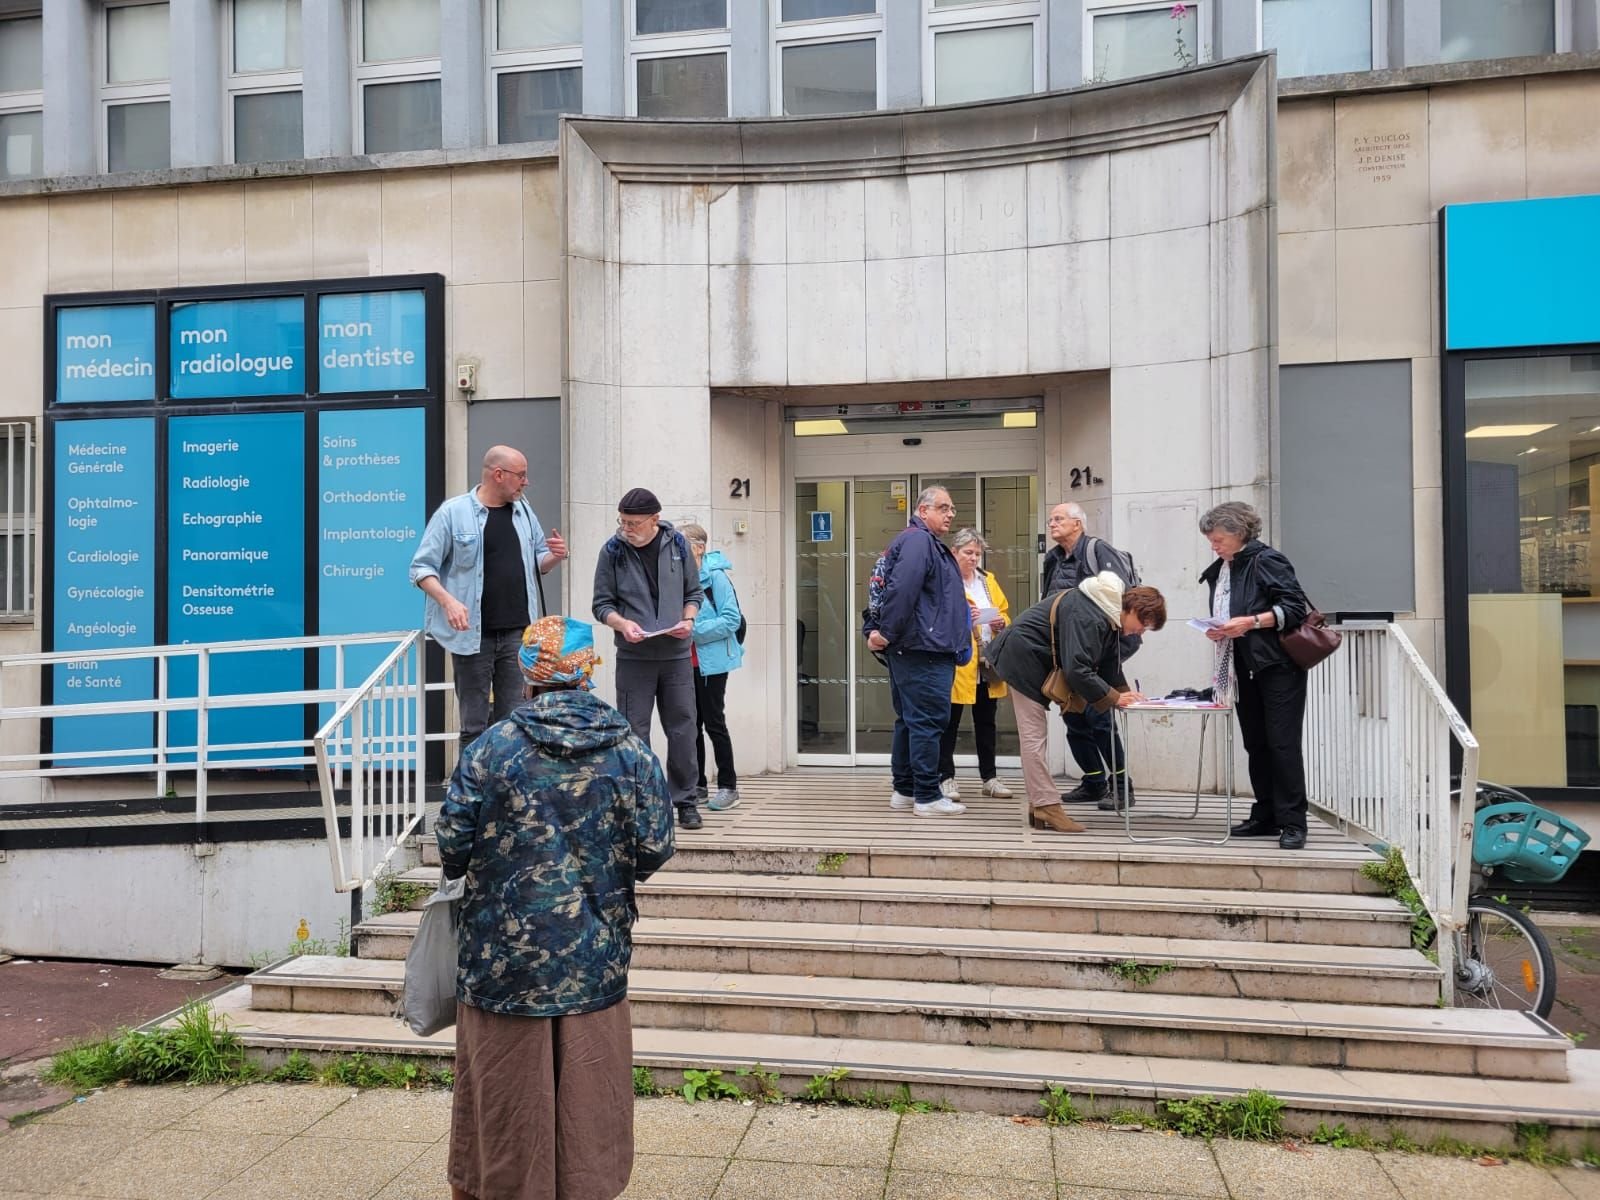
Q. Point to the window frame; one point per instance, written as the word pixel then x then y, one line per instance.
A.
pixel 822 31
pixel 18 104
pixel 1562 12
pixel 364 74
pixel 24 525
pixel 110 95
pixel 520 62
pixel 1379 10
pixel 1204 16
pixel 642 47
pixel 238 83
pixel 981 14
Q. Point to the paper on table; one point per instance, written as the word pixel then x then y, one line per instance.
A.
pixel 1205 623
pixel 1162 702
pixel 985 615
pixel 650 633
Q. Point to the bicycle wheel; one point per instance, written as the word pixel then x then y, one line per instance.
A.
pixel 1503 960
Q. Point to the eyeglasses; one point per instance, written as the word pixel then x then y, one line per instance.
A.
pixel 949 508
pixel 522 475
pixel 636 524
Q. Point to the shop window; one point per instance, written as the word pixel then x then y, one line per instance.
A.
pixel 264 81
pixel 1471 29
pixel 397 76
pixel 17 466
pixel 826 57
pixel 136 87
pixel 983 51
pixel 21 97
pixel 1321 37
pixel 536 67
pixel 678 51
pixel 1533 576
pixel 1126 40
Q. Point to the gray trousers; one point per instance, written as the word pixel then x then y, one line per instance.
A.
pixel 494 667
pixel 644 684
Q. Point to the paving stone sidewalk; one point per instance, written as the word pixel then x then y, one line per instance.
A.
pixel 305 1142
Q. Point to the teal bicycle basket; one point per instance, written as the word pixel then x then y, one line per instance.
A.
pixel 1526 843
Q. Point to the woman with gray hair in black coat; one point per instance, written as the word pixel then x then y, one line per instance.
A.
pixel 1255 594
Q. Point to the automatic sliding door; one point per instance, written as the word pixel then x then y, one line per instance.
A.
pixel 824 625
pixel 881 506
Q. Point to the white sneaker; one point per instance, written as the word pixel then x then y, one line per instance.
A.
pixel 950 789
pixel 897 801
pixel 993 787
pixel 942 807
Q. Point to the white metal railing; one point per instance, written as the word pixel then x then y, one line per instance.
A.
pixel 375 742
pixel 1378 747
pixel 163 759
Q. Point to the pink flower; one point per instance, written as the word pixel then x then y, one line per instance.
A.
pixel 1179 11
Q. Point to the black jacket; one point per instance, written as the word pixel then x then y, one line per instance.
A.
pixel 1262 581
pixel 924 601
pixel 1063 569
pixel 1086 642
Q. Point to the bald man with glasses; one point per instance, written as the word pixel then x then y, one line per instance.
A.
pixel 479 564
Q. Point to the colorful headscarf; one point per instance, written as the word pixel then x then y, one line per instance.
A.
pixel 558 652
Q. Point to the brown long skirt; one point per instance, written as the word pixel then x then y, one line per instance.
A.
pixel 543 1105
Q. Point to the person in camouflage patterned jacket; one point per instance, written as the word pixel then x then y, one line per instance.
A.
pixel 553 816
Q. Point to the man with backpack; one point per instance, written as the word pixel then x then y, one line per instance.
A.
pixel 1091 736
pixel 923 626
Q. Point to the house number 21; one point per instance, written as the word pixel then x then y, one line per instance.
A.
pixel 739 489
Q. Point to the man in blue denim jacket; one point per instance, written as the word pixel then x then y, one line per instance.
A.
pixel 477 564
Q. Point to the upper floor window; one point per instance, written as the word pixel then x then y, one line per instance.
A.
pixel 827 56
pixel 397 75
pixel 535 67
pixel 678 58
pixel 265 81
pixel 1125 40
pixel 136 87
pixel 1321 37
pixel 21 97
pixel 1470 29
pixel 982 51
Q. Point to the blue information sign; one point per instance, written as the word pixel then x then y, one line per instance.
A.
pixel 236 565
pixel 226 348
pixel 372 505
pixel 822 526
pixel 104 580
pixel 105 353
pixel 373 342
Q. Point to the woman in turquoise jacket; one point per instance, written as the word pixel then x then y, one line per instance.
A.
pixel 718 650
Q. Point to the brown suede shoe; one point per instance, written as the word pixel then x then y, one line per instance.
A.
pixel 1051 816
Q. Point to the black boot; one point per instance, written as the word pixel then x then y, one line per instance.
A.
pixel 1121 794
pixel 689 817
pixel 1090 788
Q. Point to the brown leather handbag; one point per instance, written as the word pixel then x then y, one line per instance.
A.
pixel 1055 686
pixel 1311 641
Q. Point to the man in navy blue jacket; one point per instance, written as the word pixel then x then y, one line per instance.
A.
pixel 925 629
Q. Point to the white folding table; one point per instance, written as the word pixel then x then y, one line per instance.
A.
pixel 1123 716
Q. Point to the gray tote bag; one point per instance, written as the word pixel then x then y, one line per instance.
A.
pixel 429 1004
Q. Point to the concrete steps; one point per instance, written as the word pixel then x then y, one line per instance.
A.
pixel 975 960
pixel 1163 966
pixel 1010 1080
pixel 1359 1037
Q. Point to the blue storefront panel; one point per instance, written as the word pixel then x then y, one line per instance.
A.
pixel 236 563
pixel 105 354
pixel 222 349
pixel 372 342
pixel 104 575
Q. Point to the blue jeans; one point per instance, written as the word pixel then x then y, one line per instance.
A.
pixel 919 685
pixel 1091 737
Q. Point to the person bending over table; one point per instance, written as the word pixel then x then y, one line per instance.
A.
pixel 1089 622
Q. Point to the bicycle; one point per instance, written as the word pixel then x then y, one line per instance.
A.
pixel 1502 958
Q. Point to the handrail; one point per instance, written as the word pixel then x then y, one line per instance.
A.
pixel 376 738
pixel 198 754
pixel 1378 746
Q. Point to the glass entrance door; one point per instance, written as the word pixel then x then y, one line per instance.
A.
pixel 841 526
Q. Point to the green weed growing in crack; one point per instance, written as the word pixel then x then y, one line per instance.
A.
pixel 832 864
pixel 1139 974
pixel 1058 1105
pixel 709 1085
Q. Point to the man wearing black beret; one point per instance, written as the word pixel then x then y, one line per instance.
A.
pixel 647 588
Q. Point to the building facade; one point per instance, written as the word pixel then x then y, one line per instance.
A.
pixel 870 270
